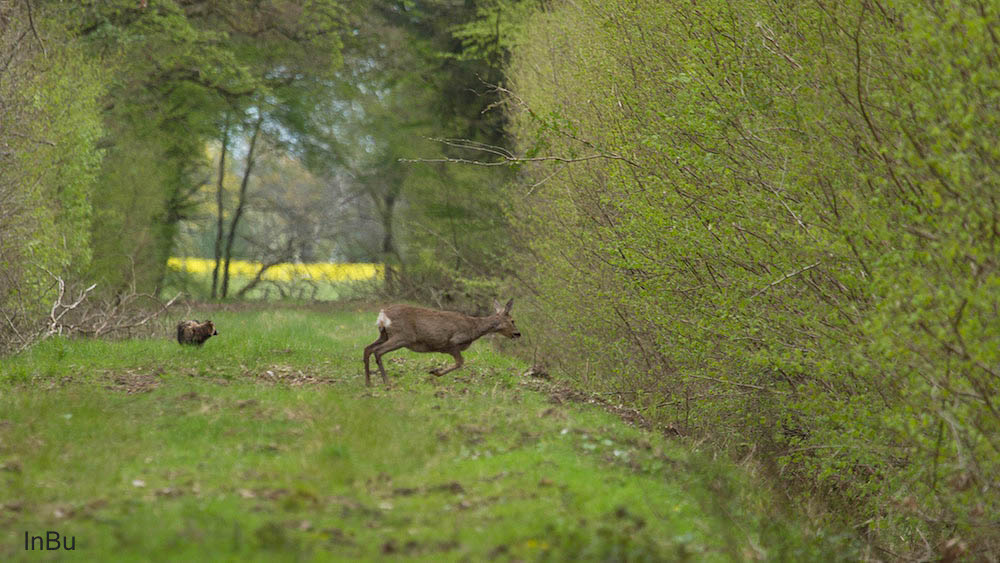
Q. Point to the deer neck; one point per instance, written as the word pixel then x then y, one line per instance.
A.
pixel 484 326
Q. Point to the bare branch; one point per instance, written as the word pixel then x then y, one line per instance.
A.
pixel 13 52
pixel 736 383
pixel 507 158
pixel 10 322
pixel 783 278
pixel 59 309
pixel 31 22
pixel 515 160
pixel 768 34
pixel 32 139
pixel 545 179
pixel 84 315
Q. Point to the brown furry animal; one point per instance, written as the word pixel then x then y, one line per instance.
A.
pixel 428 330
pixel 194 332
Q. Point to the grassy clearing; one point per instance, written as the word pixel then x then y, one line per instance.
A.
pixel 265 444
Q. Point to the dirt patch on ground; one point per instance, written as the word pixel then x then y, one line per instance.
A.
pixel 132 381
pixel 293 377
pixel 560 394
pixel 144 380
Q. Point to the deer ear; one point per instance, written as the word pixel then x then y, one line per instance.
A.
pixel 510 304
pixel 497 307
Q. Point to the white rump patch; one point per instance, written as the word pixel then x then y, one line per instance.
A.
pixel 383 320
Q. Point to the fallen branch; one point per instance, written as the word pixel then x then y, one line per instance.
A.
pixel 117 321
pixel 55 326
pixel 82 315
pixel 59 309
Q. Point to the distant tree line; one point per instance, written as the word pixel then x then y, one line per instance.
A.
pixel 270 131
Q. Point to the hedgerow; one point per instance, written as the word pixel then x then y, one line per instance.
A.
pixel 49 128
pixel 780 230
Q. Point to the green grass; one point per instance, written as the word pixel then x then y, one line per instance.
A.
pixel 264 444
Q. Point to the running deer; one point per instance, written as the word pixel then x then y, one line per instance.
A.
pixel 429 330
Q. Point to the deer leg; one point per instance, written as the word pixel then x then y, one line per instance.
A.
pixel 458 363
pixel 384 348
pixel 382 337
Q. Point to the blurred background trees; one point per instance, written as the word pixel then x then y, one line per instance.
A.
pixel 197 109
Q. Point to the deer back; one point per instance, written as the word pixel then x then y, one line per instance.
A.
pixel 429 329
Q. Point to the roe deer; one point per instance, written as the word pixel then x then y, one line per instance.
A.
pixel 429 330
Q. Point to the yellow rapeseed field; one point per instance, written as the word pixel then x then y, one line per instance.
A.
pixel 317 271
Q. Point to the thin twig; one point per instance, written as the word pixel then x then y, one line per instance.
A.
pixel 516 160
pixel 10 322
pixel 474 145
pixel 32 139
pixel 700 397
pixel 148 317
pixel 13 52
pixel 31 22
pixel 783 278
pixel 747 385
pixel 768 35
pixel 545 179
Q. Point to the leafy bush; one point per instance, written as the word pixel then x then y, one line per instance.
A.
pixel 780 230
pixel 49 126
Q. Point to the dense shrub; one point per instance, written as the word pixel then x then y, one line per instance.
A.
pixel 49 126
pixel 786 239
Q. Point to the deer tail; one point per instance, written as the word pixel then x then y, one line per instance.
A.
pixel 383 321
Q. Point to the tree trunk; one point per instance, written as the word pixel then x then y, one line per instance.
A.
pixel 388 244
pixel 284 256
pixel 240 205
pixel 260 276
pixel 220 227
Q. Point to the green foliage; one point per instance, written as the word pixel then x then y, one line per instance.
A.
pixel 58 156
pixel 788 234
pixel 458 231
pixel 175 69
pixel 408 86
pixel 49 127
pixel 495 30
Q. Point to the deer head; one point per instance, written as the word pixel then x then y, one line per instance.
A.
pixel 505 323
